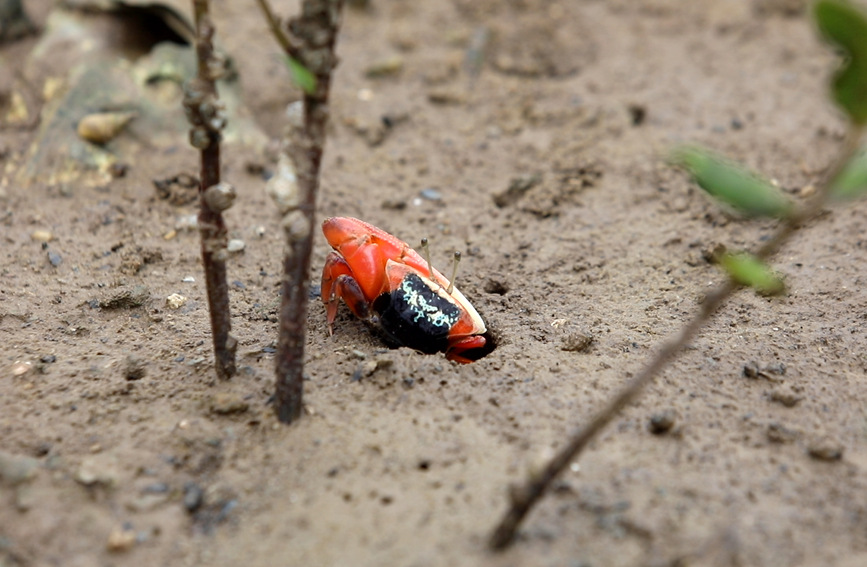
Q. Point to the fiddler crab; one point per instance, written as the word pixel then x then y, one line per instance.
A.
pixel 388 285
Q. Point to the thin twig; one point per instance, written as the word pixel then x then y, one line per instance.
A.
pixel 523 498
pixel 311 43
pixel 274 24
pixel 207 117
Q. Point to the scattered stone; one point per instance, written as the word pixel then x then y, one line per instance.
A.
pixel 26 496
pixel 16 469
pixel 48 359
pixel 189 279
pixel 194 496
pixel 54 258
pixel 786 396
pixel 147 502
pixel 369 367
pixel 576 342
pixel 126 298
pixel 156 488
pixel 662 422
pixel 393 204
pixel 176 301
pixel 101 469
pixel 772 373
pixel 779 433
pixel 134 369
pixel 517 188
pixel 387 67
pixel 226 403
pixel 21 367
pixel 236 245
pixel 41 236
pixel 446 96
pixel 122 538
pixel 187 223
pixel 826 449
pixel 431 194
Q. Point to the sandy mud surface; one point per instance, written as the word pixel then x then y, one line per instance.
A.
pixel 532 136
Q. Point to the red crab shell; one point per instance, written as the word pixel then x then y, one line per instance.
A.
pixel 390 286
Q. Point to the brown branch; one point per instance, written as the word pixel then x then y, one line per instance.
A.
pixel 206 115
pixel 523 498
pixel 311 43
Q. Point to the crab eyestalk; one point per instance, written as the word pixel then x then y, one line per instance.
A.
pixel 426 249
pixel 457 260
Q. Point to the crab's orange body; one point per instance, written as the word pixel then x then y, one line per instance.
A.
pixel 389 285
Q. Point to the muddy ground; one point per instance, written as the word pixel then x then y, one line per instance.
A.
pixel 120 447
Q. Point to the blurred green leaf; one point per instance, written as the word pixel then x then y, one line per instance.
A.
pixel 746 269
pixel 732 184
pixel 851 183
pixel 301 76
pixel 845 25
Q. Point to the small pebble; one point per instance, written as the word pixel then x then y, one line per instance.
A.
pixel 826 449
pixel 41 236
pixel 446 96
pixel 189 279
pixel 193 497
pixel 98 469
pixel 122 538
pixel 431 194
pixel 54 258
pixel 146 502
pixel 385 67
pixel 576 342
pixel 786 396
pixel 235 245
pixel 226 403
pixel 156 488
pixel 393 204
pixel 21 367
pixel 187 222
pixel 16 469
pixel 662 422
pixel 26 496
pixel 779 433
pixel 176 301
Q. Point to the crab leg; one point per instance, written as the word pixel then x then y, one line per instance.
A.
pixel 337 282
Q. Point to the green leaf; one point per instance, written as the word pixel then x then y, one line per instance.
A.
pixel 732 184
pixel 851 183
pixel 746 269
pixel 301 75
pixel 845 25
